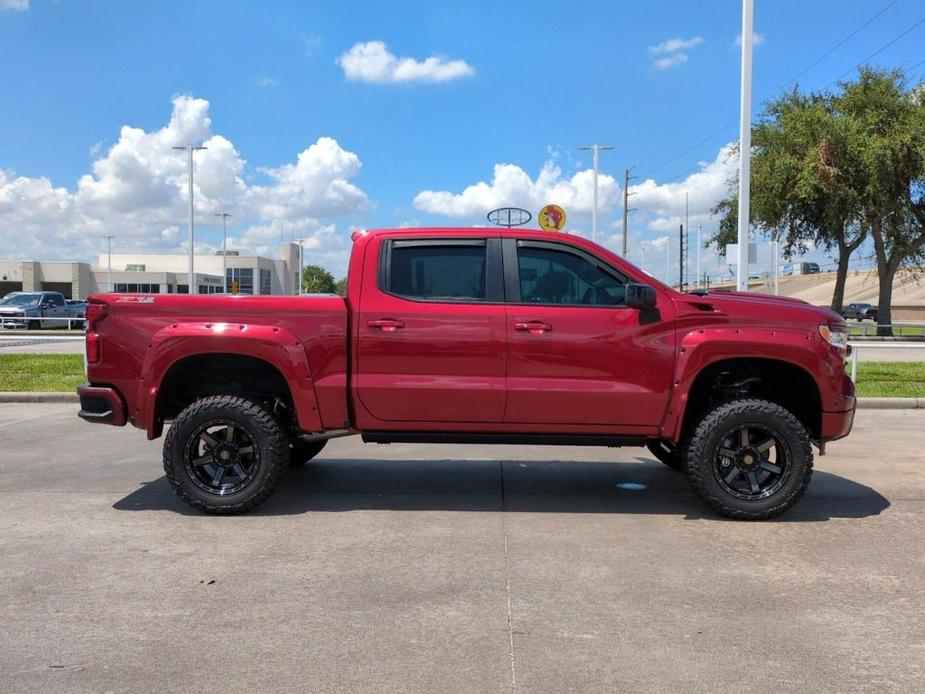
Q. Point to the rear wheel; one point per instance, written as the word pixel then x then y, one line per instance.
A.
pixel 301 451
pixel 749 459
pixel 225 454
pixel 667 453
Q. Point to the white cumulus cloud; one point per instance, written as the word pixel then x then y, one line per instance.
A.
pixel 14 5
pixel 137 191
pixel 371 61
pixel 676 44
pixel 511 186
pixel 670 61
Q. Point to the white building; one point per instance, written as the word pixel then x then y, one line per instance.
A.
pixel 155 274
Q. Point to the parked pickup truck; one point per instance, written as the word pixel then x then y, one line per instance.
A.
pixel 476 336
pixel 36 310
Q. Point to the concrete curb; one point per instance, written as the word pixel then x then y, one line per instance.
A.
pixel 891 403
pixel 28 396
pixel 863 403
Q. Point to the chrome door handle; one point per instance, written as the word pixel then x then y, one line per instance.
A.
pixel 387 325
pixel 534 327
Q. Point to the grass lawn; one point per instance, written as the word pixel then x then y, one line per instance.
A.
pixel 891 379
pixel 42 372
pixel 63 372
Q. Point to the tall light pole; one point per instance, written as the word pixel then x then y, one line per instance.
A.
pixel 301 267
pixel 190 149
pixel 109 261
pixel 595 149
pixel 745 146
pixel 224 216
pixel 699 247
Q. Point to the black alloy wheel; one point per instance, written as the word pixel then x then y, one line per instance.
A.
pixel 751 462
pixel 221 457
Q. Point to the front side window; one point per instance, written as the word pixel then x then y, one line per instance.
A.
pixel 438 272
pixel 550 276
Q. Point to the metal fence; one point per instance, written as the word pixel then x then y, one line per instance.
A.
pixel 20 322
pixel 856 348
pixel 899 329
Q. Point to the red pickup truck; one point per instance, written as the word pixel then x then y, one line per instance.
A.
pixel 476 336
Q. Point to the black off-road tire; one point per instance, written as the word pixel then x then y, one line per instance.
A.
pixel 789 432
pixel 33 325
pixel 667 454
pixel 301 451
pixel 268 439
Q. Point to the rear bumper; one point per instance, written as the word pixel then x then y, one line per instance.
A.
pixel 101 405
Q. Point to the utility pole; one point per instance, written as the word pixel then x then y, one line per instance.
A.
pixel 301 267
pixel 190 148
pixel 745 146
pixel 224 216
pixel 109 261
pixel 595 149
pixel 626 204
pixel 699 248
pixel 681 254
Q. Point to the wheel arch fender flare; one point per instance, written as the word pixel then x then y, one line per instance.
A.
pixel 276 346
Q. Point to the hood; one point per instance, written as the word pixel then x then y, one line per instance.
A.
pixel 760 307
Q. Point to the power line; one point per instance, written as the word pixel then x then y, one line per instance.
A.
pixel 792 79
pixel 877 52
pixel 838 45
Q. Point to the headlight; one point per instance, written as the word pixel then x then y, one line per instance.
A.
pixel 835 336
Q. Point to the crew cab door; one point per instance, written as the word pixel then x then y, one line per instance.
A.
pixel 53 306
pixel 431 336
pixel 578 355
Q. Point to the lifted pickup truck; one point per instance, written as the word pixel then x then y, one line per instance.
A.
pixel 476 336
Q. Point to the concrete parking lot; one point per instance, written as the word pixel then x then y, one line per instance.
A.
pixel 455 569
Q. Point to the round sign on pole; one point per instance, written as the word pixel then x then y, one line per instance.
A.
pixel 509 217
pixel 552 218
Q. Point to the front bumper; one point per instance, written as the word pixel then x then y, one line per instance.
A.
pixel 837 425
pixel 101 405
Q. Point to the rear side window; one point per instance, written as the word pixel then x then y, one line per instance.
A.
pixel 437 272
pixel 54 299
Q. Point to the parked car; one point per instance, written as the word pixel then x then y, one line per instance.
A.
pixel 33 309
pixel 476 336
pixel 860 312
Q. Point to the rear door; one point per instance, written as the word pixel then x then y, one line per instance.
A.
pixel 431 335
pixel 56 308
pixel 578 355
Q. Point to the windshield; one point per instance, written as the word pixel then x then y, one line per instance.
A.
pixel 20 299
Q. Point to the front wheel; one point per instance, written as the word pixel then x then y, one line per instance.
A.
pixel 749 459
pixel 225 454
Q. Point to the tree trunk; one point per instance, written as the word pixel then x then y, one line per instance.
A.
pixel 841 276
pixel 886 269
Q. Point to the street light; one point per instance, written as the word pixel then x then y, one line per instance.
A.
pixel 190 149
pixel 595 149
pixel 745 146
pixel 109 261
pixel 301 266
pixel 224 216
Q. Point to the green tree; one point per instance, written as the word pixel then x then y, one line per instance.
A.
pixel 341 286
pixel 317 280
pixel 888 118
pixel 805 175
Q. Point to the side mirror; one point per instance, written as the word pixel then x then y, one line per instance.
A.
pixel 640 296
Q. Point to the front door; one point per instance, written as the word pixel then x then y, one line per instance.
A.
pixel 431 333
pixel 577 354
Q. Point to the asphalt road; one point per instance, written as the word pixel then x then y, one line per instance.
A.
pixel 455 569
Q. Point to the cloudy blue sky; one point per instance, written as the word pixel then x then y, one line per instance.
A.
pixel 323 117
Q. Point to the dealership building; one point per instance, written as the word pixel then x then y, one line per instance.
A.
pixel 155 274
